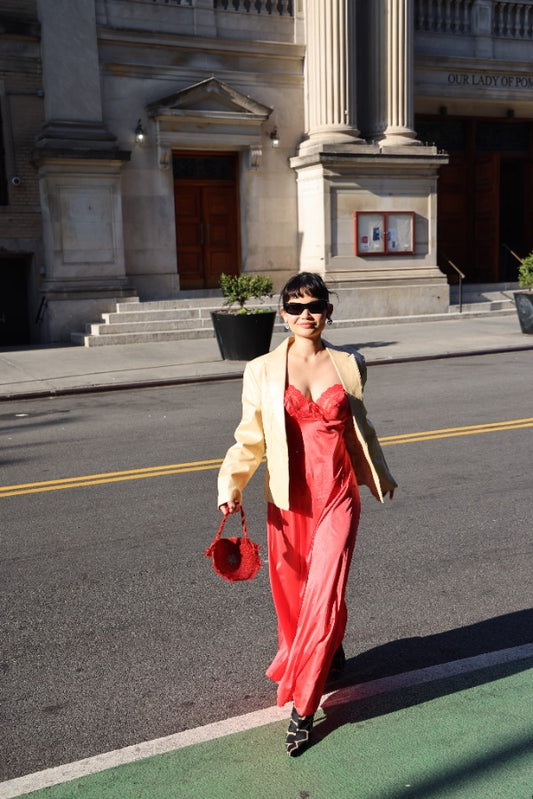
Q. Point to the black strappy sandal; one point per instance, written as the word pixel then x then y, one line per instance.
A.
pixel 299 733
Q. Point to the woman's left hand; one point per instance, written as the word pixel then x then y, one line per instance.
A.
pixel 231 507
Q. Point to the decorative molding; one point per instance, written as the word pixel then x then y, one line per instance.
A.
pixel 164 156
pixel 180 75
pixel 216 95
pixel 255 156
pixel 208 115
pixel 280 51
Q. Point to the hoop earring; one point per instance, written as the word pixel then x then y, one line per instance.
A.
pixel 286 326
pixel 329 320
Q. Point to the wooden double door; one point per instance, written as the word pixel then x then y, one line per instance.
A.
pixel 207 218
pixel 485 196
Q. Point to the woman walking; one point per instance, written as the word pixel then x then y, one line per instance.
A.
pixel 302 405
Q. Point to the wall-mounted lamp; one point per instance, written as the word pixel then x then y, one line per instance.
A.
pixel 274 138
pixel 139 133
pixel 510 113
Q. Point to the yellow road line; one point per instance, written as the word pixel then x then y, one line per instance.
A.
pixel 124 474
pixel 107 477
pixel 197 466
pixel 492 427
pixel 482 428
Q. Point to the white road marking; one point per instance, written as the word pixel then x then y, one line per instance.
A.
pixel 258 718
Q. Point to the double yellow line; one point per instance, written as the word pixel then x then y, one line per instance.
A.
pixel 107 477
pixel 198 466
pixel 451 432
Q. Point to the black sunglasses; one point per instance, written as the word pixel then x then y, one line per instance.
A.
pixel 297 308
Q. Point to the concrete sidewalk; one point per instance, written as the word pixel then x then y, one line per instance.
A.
pixel 46 371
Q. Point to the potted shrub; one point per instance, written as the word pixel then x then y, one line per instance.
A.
pixel 524 299
pixel 244 332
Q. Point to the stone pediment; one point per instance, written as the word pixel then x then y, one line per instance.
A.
pixel 210 97
pixel 210 115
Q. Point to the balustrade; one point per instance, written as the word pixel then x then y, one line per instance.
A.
pixel 444 16
pixel 511 20
pixel 281 7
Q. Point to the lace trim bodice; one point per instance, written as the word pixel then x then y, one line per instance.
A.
pixel 332 403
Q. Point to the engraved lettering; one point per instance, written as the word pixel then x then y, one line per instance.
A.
pixel 458 79
pixel 492 81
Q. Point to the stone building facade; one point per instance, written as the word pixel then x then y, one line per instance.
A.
pixel 149 145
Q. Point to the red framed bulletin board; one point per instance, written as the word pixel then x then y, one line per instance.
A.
pixel 384 232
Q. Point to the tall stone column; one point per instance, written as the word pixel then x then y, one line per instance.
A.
pixel 71 76
pixel 80 164
pixel 395 29
pixel 330 73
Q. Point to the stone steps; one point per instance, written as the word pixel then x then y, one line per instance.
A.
pixel 137 322
pixel 88 340
pixel 148 326
pixel 479 308
pixel 189 317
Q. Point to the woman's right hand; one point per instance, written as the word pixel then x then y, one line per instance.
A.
pixel 230 507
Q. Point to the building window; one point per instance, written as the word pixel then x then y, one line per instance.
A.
pixel 204 167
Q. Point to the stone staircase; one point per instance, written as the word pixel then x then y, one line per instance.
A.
pixel 189 317
pixel 135 322
pixel 483 298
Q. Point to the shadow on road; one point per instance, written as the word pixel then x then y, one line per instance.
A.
pixel 407 654
pixel 410 654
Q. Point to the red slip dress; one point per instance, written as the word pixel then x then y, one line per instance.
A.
pixel 310 546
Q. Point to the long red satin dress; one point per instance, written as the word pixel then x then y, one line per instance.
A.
pixel 310 546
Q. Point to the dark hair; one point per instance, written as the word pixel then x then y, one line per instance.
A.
pixel 302 284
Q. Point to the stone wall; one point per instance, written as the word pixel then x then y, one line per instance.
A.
pixel 140 68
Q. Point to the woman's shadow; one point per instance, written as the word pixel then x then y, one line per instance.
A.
pixel 357 697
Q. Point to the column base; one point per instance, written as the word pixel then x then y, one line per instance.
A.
pixel 355 300
pixel 335 184
pixel 62 138
pixel 83 236
pixel 71 305
pixel 398 137
pixel 328 138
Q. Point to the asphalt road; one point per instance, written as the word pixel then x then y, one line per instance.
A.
pixel 114 628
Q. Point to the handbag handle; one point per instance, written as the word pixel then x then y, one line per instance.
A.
pixel 223 522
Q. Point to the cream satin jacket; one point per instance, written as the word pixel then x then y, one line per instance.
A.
pixel 262 430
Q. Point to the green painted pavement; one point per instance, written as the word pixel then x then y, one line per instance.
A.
pixel 467 737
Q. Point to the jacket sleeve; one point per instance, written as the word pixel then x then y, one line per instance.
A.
pixel 243 458
pixel 386 480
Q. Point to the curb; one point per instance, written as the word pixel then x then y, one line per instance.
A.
pixel 216 378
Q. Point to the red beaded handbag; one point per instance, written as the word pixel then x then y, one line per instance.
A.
pixel 234 558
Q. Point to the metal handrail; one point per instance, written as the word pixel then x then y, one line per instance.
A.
pixel 462 277
pixel 512 252
pixel 512 296
pixel 42 308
